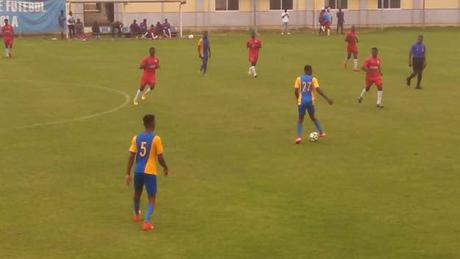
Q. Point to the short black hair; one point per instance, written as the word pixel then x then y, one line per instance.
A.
pixel 149 120
pixel 308 69
pixel 374 48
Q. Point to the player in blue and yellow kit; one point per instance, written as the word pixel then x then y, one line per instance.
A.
pixel 306 87
pixel 145 148
pixel 204 52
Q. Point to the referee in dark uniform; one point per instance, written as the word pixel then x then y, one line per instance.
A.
pixel 417 60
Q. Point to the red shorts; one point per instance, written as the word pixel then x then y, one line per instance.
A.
pixel 253 59
pixel 374 80
pixel 327 25
pixel 352 49
pixel 148 80
pixel 8 42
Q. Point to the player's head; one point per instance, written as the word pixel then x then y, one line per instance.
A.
pixel 134 21
pixel 205 34
pixel 308 70
pixel 420 38
pixel 253 34
pixel 152 51
pixel 353 28
pixel 340 9
pixel 375 52
pixel 70 13
pixel 285 10
pixel 149 121
pixel 5 21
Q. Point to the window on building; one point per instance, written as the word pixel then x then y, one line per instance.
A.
pixel 336 4
pixel 281 4
pixel 227 5
pixel 389 3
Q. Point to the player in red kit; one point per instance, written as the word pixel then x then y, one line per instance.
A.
pixel 352 48
pixel 372 67
pixel 8 38
pixel 149 64
pixel 253 44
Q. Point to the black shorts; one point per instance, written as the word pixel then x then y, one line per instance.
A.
pixel 418 64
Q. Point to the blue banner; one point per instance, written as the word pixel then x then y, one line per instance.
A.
pixel 32 16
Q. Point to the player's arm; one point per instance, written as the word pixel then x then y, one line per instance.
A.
pixel 162 162
pixel 410 57
pixel 320 92
pixel 364 67
pixel 209 50
pixel 143 65
pixel 297 88
pixel 315 85
pixel 129 167
pixel 424 61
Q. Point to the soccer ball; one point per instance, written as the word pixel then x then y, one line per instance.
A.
pixel 191 36
pixel 313 137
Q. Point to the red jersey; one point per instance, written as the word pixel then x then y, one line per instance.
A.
pixel 254 45
pixel 351 38
pixel 373 67
pixel 150 64
pixel 7 32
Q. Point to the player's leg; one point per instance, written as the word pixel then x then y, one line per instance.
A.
pixel 151 188
pixel 365 89
pixel 311 114
pixel 355 61
pixel 139 91
pixel 419 79
pixel 7 52
pixel 413 74
pixel 420 67
pixel 205 65
pixel 254 63
pixel 138 184
pixel 151 87
pixel 345 63
pixel 379 85
pixel 302 110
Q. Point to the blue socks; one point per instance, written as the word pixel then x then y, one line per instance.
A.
pixel 299 129
pixel 136 205
pixel 318 126
pixel 149 212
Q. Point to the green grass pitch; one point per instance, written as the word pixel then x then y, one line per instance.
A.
pixel 383 184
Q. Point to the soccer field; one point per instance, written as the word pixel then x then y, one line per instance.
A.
pixel 383 184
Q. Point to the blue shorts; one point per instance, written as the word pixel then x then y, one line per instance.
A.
pixel 306 107
pixel 149 180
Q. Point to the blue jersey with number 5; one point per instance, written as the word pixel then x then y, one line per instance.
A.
pixel 146 146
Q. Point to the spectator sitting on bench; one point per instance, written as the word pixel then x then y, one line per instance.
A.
pixel 159 29
pixel 80 30
pixel 167 29
pixel 143 27
pixel 134 29
pixel 151 33
pixel 116 26
pixel 96 30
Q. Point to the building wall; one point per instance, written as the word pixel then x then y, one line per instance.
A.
pixel 201 14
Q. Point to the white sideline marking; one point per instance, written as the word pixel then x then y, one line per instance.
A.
pixel 80 118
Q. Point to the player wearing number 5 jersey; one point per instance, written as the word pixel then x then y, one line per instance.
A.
pixel 306 87
pixel 145 149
